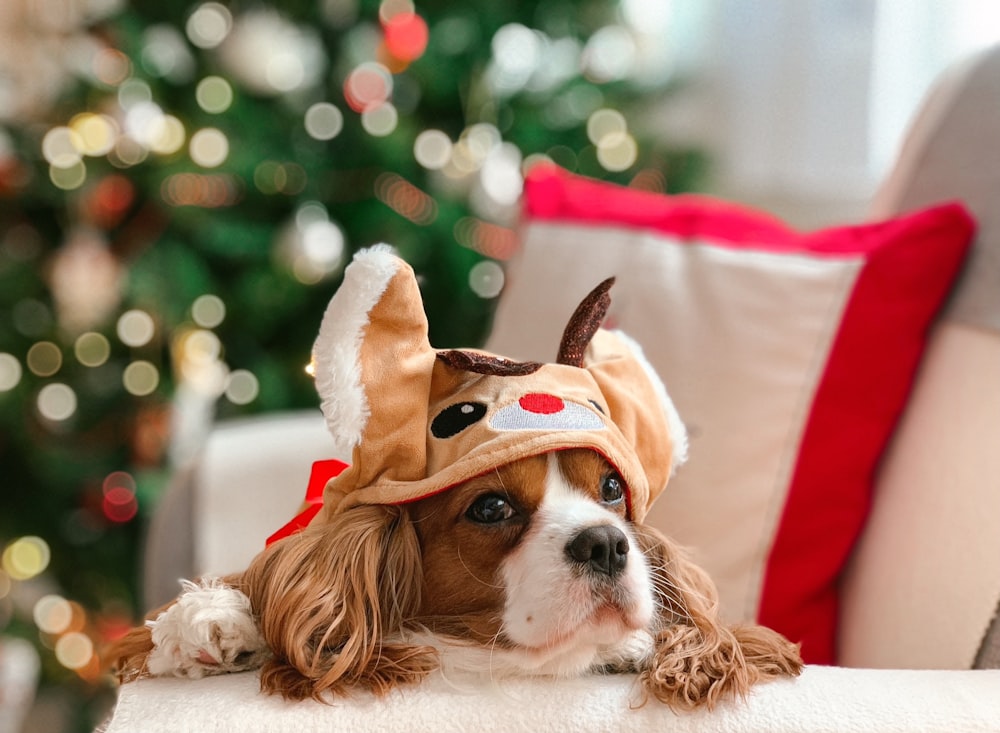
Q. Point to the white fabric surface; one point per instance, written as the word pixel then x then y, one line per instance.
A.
pixel 823 699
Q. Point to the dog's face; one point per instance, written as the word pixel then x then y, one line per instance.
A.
pixel 536 561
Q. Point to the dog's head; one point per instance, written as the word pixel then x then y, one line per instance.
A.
pixel 490 505
pixel 537 564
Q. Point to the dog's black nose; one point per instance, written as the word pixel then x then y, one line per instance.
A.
pixel 604 549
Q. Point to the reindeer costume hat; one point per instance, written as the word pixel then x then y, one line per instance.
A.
pixel 417 421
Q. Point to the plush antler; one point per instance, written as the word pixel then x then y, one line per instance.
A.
pixel 583 324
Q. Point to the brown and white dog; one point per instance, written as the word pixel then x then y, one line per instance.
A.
pixel 491 523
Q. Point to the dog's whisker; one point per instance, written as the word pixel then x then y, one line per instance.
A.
pixel 487 583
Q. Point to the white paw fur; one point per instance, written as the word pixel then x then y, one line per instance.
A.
pixel 209 630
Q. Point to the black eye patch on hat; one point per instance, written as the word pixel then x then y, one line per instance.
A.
pixel 455 418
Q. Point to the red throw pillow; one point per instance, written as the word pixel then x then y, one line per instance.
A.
pixel 789 355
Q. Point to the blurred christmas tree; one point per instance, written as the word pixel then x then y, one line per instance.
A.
pixel 175 218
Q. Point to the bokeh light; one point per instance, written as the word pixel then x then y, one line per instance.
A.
pixel 271 177
pixel 242 387
pixel 135 328
pixel 52 614
pixel 406 35
pixel 10 372
pixel 92 349
pixel 208 191
pixel 368 85
pixel 74 650
pixel 57 402
pixel 604 122
pixel 26 557
pixel 62 147
pixel 44 359
pixel 432 149
pixel 517 51
pixel 617 152
pixel 110 66
pixel 473 147
pixel 380 120
pixel 324 121
pixel 119 504
pixel 208 311
pixel 486 279
pixel 285 72
pixel 214 94
pixel 141 378
pixel 389 9
pixel 110 199
pixel 127 152
pixel 209 25
pixel 165 135
pixel 501 175
pixel 649 179
pixel 313 247
pixel 488 239
pixel 165 53
pixel 133 92
pixel 209 147
pixel 405 199
pixel 119 501
pixel 309 213
pixel 201 346
pixel 69 177
pixel 610 55
pixel 95 134
pixel 269 54
pixel 197 357
pixel 323 245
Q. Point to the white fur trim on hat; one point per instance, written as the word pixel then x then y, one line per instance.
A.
pixel 337 351
pixel 678 432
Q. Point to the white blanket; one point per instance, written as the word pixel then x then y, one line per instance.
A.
pixel 830 699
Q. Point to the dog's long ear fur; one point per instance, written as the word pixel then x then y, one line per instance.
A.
pixel 332 600
pixel 697 660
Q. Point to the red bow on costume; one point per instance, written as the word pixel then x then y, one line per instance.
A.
pixel 322 471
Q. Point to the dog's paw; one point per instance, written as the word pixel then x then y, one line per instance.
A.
pixel 209 630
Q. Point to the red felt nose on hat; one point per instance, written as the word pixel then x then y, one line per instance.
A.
pixel 541 404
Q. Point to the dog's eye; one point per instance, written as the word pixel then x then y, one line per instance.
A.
pixel 490 509
pixel 612 489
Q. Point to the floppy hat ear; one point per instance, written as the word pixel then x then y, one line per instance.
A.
pixel 373 365
pixel 640 408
